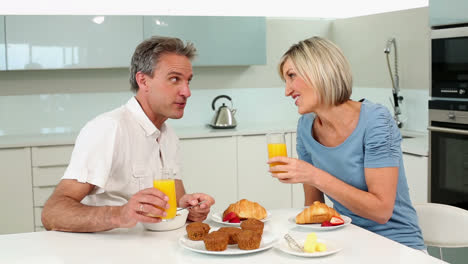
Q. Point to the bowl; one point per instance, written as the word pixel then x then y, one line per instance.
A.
pixel 172 224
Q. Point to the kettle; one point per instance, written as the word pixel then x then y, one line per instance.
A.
pixel 224 116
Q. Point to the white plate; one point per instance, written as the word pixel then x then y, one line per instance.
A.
pixel 268 240
pixel 218 218
pixel 332 248
pixel 346 220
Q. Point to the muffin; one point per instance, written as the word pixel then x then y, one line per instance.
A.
pixel 232 232
pixel 197 230
pixel 253 224
pixel 216 241
pixel 248 239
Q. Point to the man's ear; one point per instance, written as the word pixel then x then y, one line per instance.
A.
pixel 141 81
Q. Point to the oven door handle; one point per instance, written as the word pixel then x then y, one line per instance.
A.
pixel 448 130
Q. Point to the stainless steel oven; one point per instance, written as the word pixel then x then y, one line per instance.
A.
pixel 448 144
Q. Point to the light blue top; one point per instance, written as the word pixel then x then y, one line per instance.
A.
pixel 374 143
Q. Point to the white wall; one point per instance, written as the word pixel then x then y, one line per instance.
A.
pixel 363 41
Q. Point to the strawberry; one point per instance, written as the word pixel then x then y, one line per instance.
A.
pixel 229 216
pixel 336 220
pixel 326 223
pixel 234 220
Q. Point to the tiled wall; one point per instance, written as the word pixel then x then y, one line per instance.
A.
pixel 62 113
pixel 413 107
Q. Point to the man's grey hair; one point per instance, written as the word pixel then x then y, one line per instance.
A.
pixel 147 55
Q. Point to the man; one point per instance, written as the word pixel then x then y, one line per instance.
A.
pixel 108 183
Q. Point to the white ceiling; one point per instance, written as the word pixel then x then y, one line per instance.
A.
pixel 269 8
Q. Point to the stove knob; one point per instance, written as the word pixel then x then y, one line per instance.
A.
pixel 451 116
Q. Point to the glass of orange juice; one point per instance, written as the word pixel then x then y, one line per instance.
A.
pixel 276 146
pixel 166 184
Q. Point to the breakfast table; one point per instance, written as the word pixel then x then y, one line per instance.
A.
pixel 350 244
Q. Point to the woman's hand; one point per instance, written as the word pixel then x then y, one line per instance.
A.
pixel 293 170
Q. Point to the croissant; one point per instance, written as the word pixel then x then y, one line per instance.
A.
pixel 316 213
pixel 246 209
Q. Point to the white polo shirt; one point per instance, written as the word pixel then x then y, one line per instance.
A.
pixel 120 152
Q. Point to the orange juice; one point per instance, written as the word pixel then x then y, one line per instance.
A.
pixel 168 188
pixel 275 150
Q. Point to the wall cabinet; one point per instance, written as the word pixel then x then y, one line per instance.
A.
pixel 62 42
pixel 2 44
pixel 16 198
pixel 78 42
pixel 219 40
pixel 209 166
pixel 416 169
pixel 443 12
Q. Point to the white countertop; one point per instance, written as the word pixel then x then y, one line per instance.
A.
pixel 202 131
pixel 241 129
pixel 416 144
pixel 139 246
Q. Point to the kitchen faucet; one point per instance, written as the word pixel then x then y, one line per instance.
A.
pixel 397 99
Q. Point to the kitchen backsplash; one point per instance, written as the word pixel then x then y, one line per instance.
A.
pixel 67 113
pixel 414 107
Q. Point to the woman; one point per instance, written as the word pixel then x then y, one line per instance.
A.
pixel 348 150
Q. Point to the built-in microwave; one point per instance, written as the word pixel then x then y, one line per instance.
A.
pixel 449 52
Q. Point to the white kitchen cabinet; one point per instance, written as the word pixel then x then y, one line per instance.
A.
pixel 2 44
pixel 255 182
pixel 416 168
pixel 16 197
pixel 219 40
pixel 48 166
pixel 50 156
pixel 61 42
pixel 209 166
pixel 443 12
pixel 48 176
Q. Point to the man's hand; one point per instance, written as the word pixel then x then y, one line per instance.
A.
pixel 144 206
pixel 197 213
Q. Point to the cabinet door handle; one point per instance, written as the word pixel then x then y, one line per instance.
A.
pixel 448 130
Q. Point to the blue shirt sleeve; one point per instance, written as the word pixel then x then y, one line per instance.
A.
pixel 302 153
pixel 382 140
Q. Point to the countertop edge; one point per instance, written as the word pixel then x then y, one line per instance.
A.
pixel 414 142
pixel 38 140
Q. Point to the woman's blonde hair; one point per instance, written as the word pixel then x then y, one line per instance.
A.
pixel 322 65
